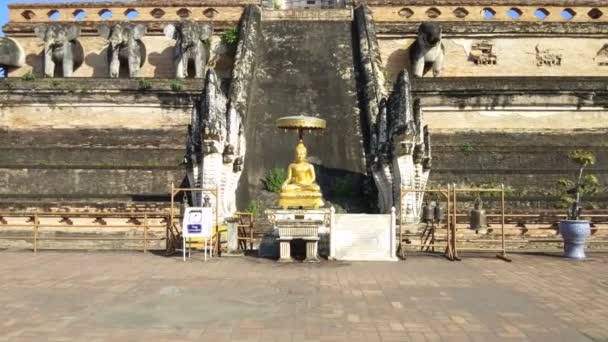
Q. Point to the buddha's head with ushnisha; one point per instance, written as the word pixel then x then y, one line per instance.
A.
pixel 301 152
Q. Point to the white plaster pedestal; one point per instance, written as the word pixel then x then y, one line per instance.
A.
pixel 299 224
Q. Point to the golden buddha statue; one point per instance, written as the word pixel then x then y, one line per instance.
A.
pixel 300 189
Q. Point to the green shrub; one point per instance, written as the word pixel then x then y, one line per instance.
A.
pixel 144 84
pixel 277 4
pixel 231 37
pixel 274 180
pixel 254 208
pixel 466 148
pixel 28 77
pixel 177 85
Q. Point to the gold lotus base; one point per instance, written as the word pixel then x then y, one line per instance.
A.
pixel 301 200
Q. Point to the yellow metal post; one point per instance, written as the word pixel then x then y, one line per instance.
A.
pixel 454 222
pixel 145 233
pixel 36 224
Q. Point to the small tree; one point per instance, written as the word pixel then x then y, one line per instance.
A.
pixel 581 185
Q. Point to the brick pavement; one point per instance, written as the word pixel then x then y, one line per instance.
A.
pixel 69 296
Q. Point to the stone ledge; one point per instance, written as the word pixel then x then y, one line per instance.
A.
pixel 86 85
pixel 567 3
pixel 309 15
pixel 575 29
pixel 484 85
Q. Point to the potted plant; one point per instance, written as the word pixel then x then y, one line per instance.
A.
pixel 574 230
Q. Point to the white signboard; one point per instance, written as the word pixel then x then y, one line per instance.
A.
pixel 363 237
pixel 198 222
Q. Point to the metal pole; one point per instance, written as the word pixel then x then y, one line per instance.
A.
pixel 449 251
pixel 36 224
pixel 251 232
pixel 184 247
pixel 401 249
pixel 503 218
pixel 170 241
pixel 217 219
pixel 454 222
pixel 145 233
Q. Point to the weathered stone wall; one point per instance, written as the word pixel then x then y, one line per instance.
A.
pixel 489 131
pixel 299 74
pixel 89 142
pixel 515 56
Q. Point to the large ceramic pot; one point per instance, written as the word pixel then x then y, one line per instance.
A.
pixel 574 233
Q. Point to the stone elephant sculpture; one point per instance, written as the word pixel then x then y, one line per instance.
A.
pixel 125 45
pixel 427 52
pixel 11 53
pixel 192 44
pixel 61 46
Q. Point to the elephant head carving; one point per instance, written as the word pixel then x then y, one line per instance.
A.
pixel 192 44
pixel 427 51
pixel 61 46
pixel 125 45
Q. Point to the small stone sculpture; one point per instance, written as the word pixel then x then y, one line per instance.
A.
pixel 601 58
pixel 546 57
pixel 427 51
pixel 61 46
pixel 192 44
pixel 482 53
pixel 125 46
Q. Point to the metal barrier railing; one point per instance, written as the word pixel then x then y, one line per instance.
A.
pixel 245 222
pixel 134 220
pixel 428 243
pixel 455 243
pixel 502 250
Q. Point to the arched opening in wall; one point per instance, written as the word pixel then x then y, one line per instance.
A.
pixel 514 13
pixel 131 13
pixel 460 12
pixel 433 13
pixel 210 13
pixel 54 15
pixel 568 13
pixel 29 15
pixel 79 14
pixel 488 13
pixel 157 13
pixel 2 72
pixel 541 13
pixel 183 13
pixel 595 13
pixel 105 14
pixel 406 12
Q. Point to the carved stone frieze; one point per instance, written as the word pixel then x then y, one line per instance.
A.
pixel 482 53
pixel 546 57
